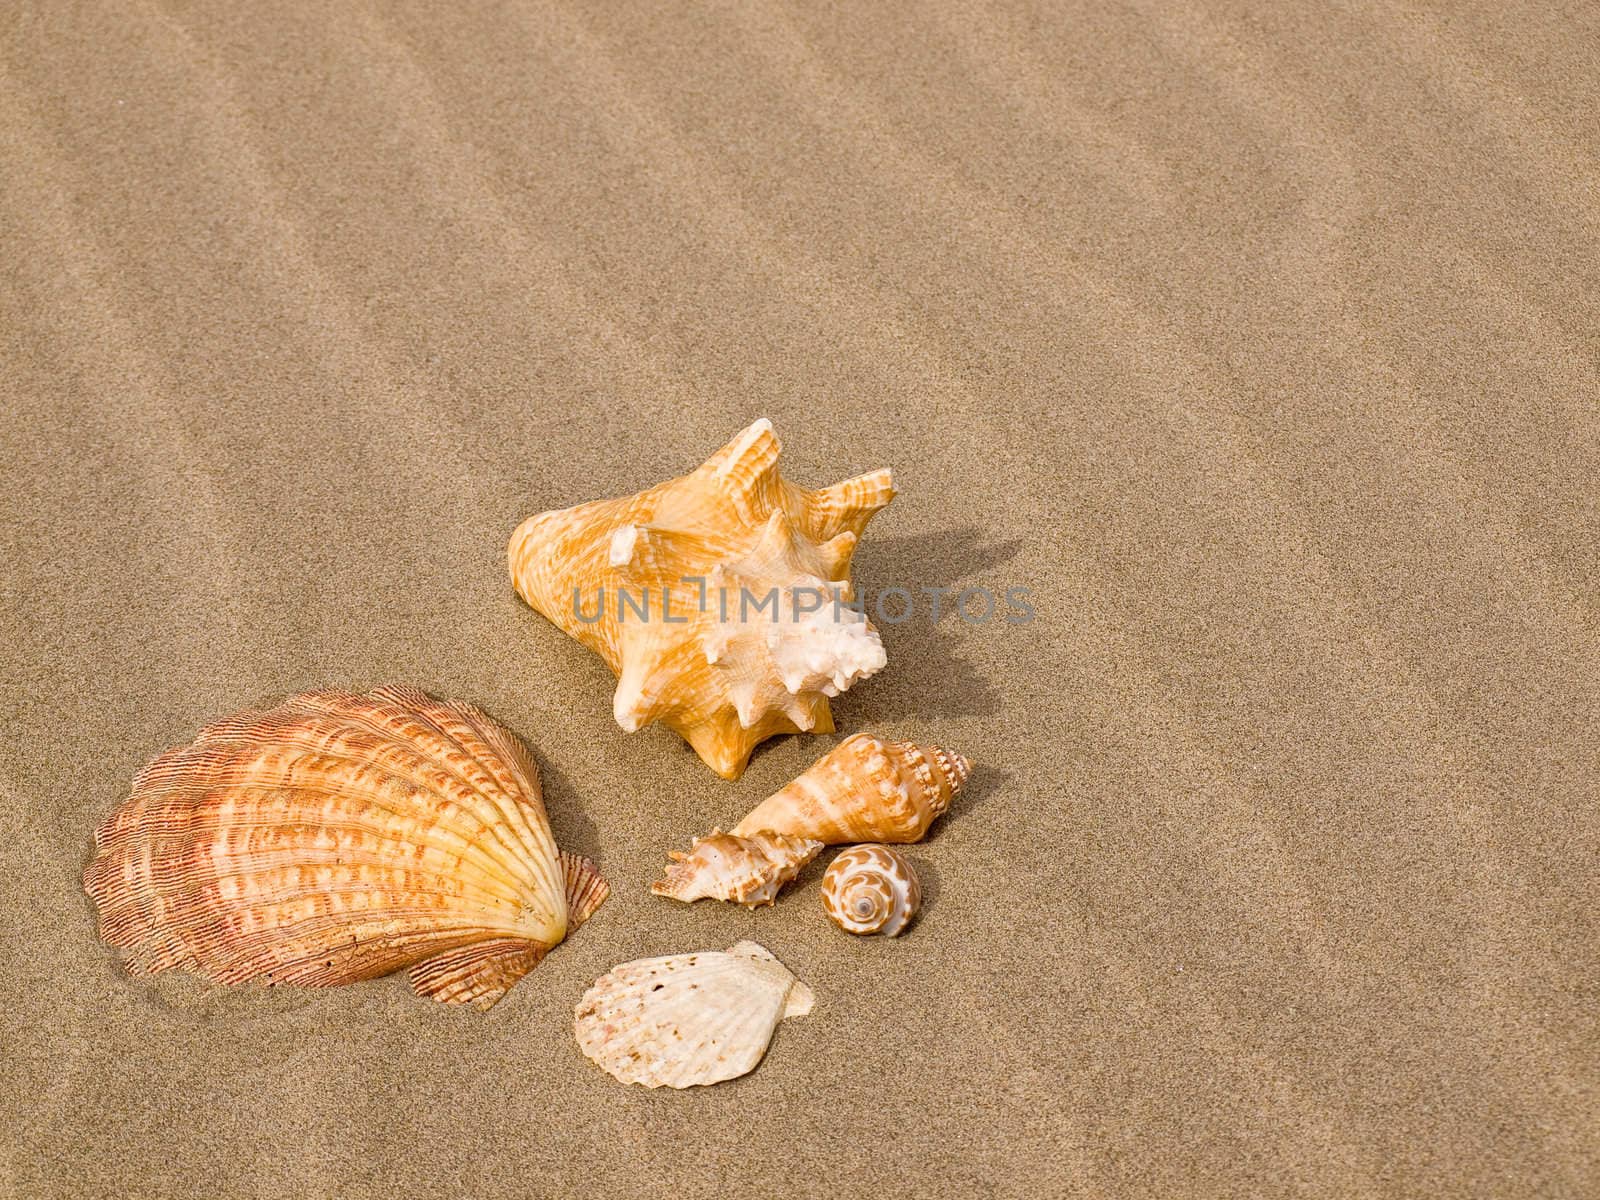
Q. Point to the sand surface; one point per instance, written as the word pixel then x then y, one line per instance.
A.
pixel 1258 341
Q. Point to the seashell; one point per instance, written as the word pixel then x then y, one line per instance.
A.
pixel 747 870
pixel 864 790
pixel 688 1019
pixel 720 599
pixel 339 837
pixel 871 889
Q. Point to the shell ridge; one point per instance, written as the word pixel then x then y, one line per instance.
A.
pixel 585 890
pixel 333 964
pixel 400 725
pixel 209 820
pixel 538 844
pixel 522 808
pixel 492 839
pixel 478 974
pixel 395 938
pixel 302 747
pixel 215 803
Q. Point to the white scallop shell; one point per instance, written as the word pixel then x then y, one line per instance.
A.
pixel 688 1019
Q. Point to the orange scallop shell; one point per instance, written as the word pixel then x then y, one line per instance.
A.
pixel 339 837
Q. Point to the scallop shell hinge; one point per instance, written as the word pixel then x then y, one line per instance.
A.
pixel 721 600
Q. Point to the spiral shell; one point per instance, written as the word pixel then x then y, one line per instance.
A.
pixel 865 790
pixel 339 837
pixel 747 870
pixel 871 889
pixel 720 599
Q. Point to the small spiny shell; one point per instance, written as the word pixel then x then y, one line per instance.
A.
pixel 865 790
pixel 871 889
pixel 747 870
pixel 687 1019
pixel 339 837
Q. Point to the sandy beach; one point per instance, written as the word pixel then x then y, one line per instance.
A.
pixel 1258 344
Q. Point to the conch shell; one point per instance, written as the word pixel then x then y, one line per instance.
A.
pixel 747 870
pixel 688 1019
pixel 720 599
pixel 864 790
pixel 339 837
pixel 871 889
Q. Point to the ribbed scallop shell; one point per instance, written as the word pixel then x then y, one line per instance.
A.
pixel 688 1019
pixel 746 870
pixel 864 790
pixel 871 889
pixel 339 837
pixel 747 567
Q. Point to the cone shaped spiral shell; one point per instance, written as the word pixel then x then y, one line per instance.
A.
pixel 339 837
pixel 864 790
pixel 719 599
pixel 871 889
pixel 687 1019
pixel 747 870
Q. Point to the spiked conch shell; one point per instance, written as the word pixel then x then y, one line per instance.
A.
pixel 719 599
pixel 864 790
pixel 747 870
pixel 688 1019
pixel 871 889
pixel 339 837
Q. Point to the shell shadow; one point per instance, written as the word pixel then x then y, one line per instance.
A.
pixel 932 560
pixel 982 783
pixel 570 822
pixel 929 879
pixel 931 678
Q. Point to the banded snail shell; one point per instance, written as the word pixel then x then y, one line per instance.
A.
pixel 871 889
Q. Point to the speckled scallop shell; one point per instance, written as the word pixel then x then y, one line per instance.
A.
pixel 688 1019
pixel 720 600
pixel 871 889
pixel 339 837
pixel 746 870
pixel 865 790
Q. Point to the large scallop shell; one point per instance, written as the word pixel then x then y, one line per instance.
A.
pixel 339 837
pixel 871 889
pixel 864 790
pixel 688 1019
pixel 719 599
pixel 747 870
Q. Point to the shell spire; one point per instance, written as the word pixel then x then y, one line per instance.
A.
pixel 865 790
pixel 747 870
pixel 339 837
pixel 721 600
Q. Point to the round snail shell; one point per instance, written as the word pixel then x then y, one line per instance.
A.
pixel 871 889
